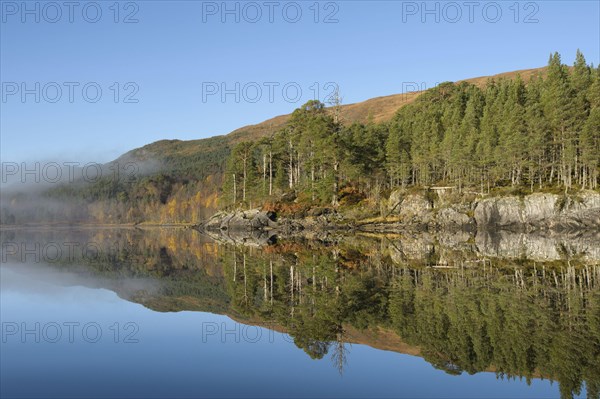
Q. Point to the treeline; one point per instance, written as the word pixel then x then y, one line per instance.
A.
pixel 544 133
pixel 156 199
pixel 160 198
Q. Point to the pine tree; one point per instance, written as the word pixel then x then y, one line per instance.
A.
pixel 590 146
pixel 514 131
pixel 539 140
pixel 558 107
pixel 397 152
pixel 489 136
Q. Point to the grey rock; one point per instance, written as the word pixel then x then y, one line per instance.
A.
pixel 540 212
pixel 254 219
pixel 502 211
pixel 451 218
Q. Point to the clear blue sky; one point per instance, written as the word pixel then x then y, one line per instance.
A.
pixel 178 48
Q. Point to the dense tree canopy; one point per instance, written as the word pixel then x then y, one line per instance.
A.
pixel 535 134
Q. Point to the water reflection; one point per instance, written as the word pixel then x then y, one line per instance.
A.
pixel 515 305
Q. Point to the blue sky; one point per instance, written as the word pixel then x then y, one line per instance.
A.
pixel 179 55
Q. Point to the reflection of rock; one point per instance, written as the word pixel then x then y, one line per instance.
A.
pixel 439 249
pixel 505 244
pixel 414 247
pixel 251 238
pixel 515 245
pixel 447 249
pixel 455 240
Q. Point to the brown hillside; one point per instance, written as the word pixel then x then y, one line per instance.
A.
pixel 380 109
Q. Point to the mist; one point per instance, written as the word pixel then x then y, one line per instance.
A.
pixel 42 262
pixel 57 191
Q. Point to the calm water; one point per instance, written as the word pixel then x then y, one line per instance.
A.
pixel 173 313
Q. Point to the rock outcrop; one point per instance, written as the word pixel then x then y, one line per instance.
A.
pixel 427 211
pixel 451 218
pixel 540 211
pixel 241 221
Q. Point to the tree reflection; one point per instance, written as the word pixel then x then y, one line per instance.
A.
pixel 470 313
pixel 516 318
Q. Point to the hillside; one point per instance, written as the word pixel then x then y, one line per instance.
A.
pixel 380 109
pixel 204 159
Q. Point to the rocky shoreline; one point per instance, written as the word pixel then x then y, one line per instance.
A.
pixel 427 211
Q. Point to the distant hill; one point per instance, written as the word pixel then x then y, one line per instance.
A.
pixel 176 153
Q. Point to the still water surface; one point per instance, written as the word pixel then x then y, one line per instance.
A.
pixel 172 313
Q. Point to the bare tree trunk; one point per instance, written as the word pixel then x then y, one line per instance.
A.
pixel 264 172
pixel 334 200
pixel 291 165
pixel 264 283
pixel 245 282
pixel 312 180
pixel 244 182
pixel 292 289
pixel 270 173
pixel 271 265
pixel 234 191
pixel 234 264
pixel 298 169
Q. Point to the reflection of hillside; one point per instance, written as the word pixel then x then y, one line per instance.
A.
pixel 183 265
pixel 452 300
pixel 377 338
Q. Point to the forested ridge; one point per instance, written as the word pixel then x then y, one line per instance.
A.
pixel 508 135
pixel 543 134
